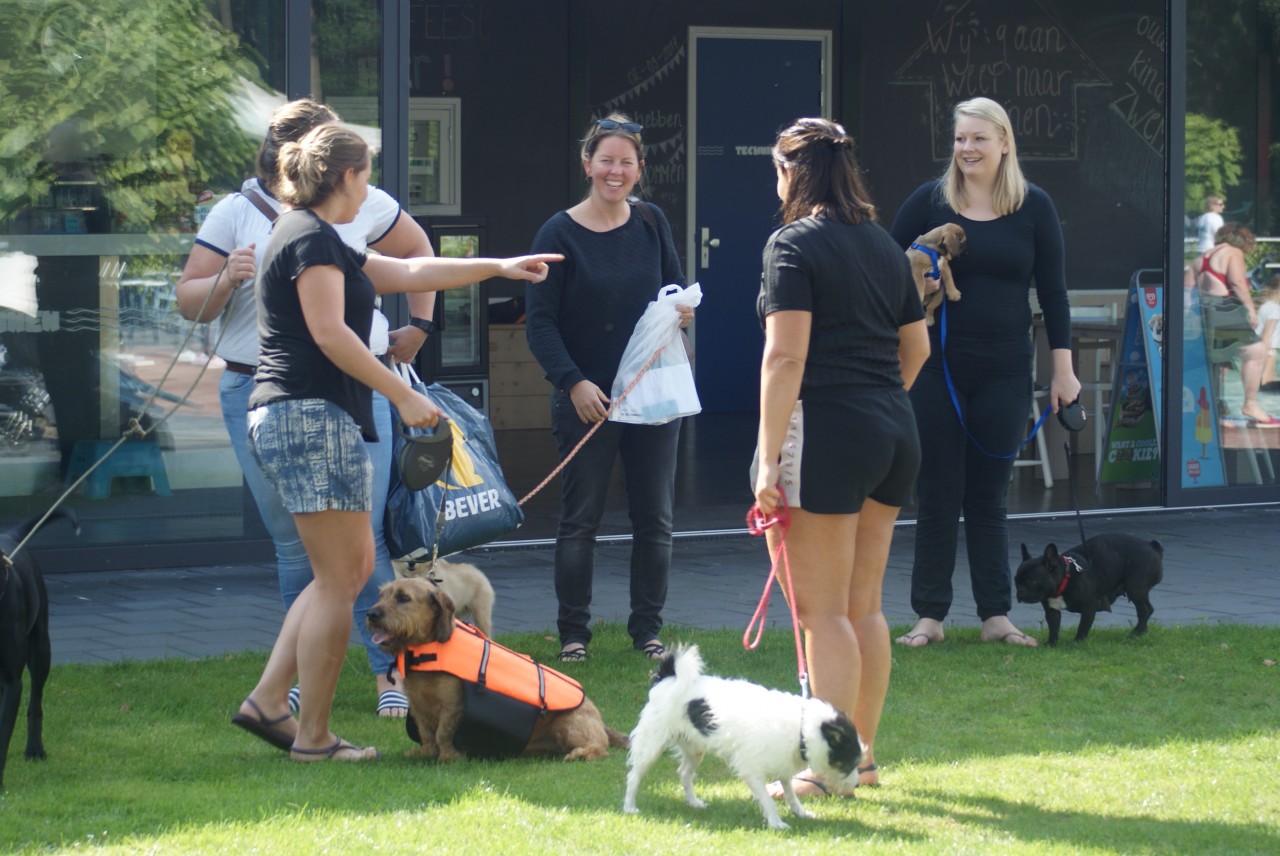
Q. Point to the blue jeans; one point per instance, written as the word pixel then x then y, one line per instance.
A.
pixel 648 455
pixel 292 564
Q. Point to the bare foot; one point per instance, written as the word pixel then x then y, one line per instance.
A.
pixel 998 628
pixel 869 775
pixel 926 632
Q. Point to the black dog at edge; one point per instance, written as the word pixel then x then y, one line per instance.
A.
pixel 24 638
pixel 1088 579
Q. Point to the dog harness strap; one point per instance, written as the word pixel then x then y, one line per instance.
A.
pixel 1073 568
pixel 482 675
pixel 933 257
pixel 470 656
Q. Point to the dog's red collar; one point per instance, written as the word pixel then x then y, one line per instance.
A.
pixel 1073 568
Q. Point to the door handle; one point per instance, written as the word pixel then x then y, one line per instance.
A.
pixel 708 243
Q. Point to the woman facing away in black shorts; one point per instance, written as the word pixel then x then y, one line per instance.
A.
pixel 844 339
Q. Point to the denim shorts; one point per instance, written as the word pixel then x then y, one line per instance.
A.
pixel 312 451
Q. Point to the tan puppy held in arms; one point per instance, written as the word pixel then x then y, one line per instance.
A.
pixel 466 585
pixel 948 241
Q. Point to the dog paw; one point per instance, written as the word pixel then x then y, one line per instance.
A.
pixel 694 802
pixel 804 813
pixel 630 809
pixel 779 824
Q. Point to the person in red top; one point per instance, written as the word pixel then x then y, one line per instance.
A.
pixel 1230 315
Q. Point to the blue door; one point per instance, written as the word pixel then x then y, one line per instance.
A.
pixel 745 89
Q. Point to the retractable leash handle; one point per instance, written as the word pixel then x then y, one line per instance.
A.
pixel 1073 417
pixel 424 456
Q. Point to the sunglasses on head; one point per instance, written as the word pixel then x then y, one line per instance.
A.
pixel 614 124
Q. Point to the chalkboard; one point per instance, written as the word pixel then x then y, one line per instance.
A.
pixel 1083 83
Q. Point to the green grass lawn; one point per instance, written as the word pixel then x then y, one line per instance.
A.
pixel 1165 744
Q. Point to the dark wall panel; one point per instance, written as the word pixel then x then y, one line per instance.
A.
pixel 1084 84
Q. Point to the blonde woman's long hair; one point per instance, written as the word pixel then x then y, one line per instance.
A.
pixel 1010 189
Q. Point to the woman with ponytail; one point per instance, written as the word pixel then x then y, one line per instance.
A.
pixel 844 340
pixel 310 408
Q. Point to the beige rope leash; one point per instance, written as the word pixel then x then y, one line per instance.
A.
pixel 613 404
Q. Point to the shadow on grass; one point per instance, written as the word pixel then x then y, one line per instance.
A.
pixel 1032 827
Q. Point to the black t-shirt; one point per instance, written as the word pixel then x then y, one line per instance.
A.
pixel 291 364
pixel 857 283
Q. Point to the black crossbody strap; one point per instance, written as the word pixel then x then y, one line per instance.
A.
pixel 260 204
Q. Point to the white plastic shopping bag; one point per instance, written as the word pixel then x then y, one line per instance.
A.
pixel 666 390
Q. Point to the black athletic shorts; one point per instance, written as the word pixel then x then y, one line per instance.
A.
pixel 841 449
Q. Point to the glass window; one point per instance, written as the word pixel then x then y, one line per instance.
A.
pixel 125 123
pixel 348 38
pixel 434 155
pixel 1230 392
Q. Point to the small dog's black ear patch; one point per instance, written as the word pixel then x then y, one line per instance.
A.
pixel 700 716
pixel 844 748
pixel 666 667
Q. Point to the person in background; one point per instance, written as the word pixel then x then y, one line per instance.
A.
pixel 1208 223
pixel 844 339
pixel 619 254
pixel 217 281
pixel 1014 239
pixel 311 406
pixel 1268 330
pixel 1231 319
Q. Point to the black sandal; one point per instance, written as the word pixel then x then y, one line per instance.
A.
pixel 573 652
pixel 653 649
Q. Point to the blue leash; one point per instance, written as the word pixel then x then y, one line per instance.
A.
pixel 946 371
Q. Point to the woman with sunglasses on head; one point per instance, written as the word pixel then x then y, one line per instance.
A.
pixel 844 339
pixel 312 405
pixel 618 253
pixel 1014 242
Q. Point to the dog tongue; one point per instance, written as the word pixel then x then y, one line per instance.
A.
pixel 380 637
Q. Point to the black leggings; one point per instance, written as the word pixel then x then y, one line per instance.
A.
pixel 957 478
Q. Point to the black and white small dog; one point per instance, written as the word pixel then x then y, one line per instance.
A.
pixel 1087 579
pixel 762 734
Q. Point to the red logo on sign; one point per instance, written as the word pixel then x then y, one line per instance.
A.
pixel 1193 468
pixel 1150 295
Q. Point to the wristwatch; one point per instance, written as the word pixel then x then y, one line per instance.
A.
pixel 426 325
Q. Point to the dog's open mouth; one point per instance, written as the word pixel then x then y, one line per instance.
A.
pixel 383 639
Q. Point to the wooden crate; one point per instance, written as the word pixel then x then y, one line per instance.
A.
pixel 519 396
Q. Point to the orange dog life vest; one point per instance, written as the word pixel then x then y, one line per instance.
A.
pixel 473 657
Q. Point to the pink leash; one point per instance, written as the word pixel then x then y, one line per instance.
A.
pixel 757 523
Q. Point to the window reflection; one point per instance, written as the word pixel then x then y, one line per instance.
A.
pixel 127 121
pixel 1231 235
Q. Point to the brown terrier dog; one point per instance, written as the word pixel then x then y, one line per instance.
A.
pixel 947 242
pixel 466 585
pixel 415 613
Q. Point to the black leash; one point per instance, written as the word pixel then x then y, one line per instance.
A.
pixel 1072 418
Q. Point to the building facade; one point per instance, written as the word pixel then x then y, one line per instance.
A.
pixel 127 121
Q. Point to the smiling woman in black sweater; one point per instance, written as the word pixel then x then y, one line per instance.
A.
pixel 1014 242
pixel 617 256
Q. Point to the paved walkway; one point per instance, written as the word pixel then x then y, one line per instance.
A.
pixel 1220 566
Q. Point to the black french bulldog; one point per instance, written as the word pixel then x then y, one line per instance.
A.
pixel 24 638
pixel 1088 579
